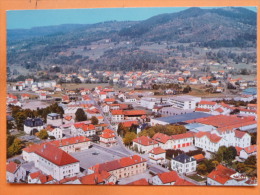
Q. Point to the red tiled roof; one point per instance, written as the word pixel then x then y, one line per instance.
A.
pixel 94 178
pixel 239 134
pixel 12 167
pixel 109 100
pixel 160 137
pixel 35 174
pixel 145 141
pixel 129 123
pixel 118 164
pixel 134 112
pixel 183 182
pixel 220 110
pixel 223 121
pixel 199 157
pixel 203 102
pixel 55 155
pixel 117 112
pixel 157 150
pixel 212 137
pixel 69 141
pixel 238 149
pixel 168 177
pixel 202 110
pixel 45 178
pixel 140 182
pixel 221 174
pixel 182 136
pixel 250 149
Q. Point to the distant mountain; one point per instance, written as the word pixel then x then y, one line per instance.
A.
pixel 206 26
pixel 131 45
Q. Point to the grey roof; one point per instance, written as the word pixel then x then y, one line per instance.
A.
pixel 53 114
pixel 33 122
pixel 184 158
pixel 183 117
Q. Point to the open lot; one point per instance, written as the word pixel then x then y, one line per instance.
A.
pixel 93 156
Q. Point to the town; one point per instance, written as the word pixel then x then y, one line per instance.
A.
pixel 187 127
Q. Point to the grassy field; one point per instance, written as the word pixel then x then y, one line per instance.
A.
pixel 196 178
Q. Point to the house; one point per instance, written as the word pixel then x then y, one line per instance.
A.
pixel 164 141
pixel 222 175
pixel 157 155
pixel 117 115
pixel 108 137
pixel 122 168
pixel 54 131
pixel 199 157
pixel 83 129
pixel 248 151
pixel 182 140
pixel 25 96
pixel 72 144
pixel 207 105
pixel 43 96
pixel 166 178
pixel 183 164
pixel 40 178
pixel 214 83
pixel 55 162
pixel 33 125
pixel 144 144
pixel 54 119
pixel 15 173
pixel 98 178
pixel 109 100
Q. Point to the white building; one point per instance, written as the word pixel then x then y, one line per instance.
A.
pixel 33 125
pixel 55 162
pixel 15 173
pixel 144 144
pixel 148 102
pixel 54 131
pixel 211 141
pixel 248 151
pixel 183 164
pixel 184 102
pixel 157 155
pixel 54 119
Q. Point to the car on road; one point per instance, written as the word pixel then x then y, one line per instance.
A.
pixel 95 153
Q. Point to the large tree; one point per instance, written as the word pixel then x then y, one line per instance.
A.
pixel 128 139
pixel 42 134
pixel 80 115
pixel 94 120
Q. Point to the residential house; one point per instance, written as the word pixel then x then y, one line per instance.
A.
pixel 183 164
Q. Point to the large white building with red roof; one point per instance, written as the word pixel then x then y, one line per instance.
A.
pixel 15 173
pixel 211 141
pixel 55 162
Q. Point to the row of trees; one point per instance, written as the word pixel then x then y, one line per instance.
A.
pixel 165 129
pixel 20 114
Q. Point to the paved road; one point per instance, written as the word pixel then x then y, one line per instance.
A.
pixel 125 152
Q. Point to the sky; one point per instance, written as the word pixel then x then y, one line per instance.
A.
pixel 26 19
